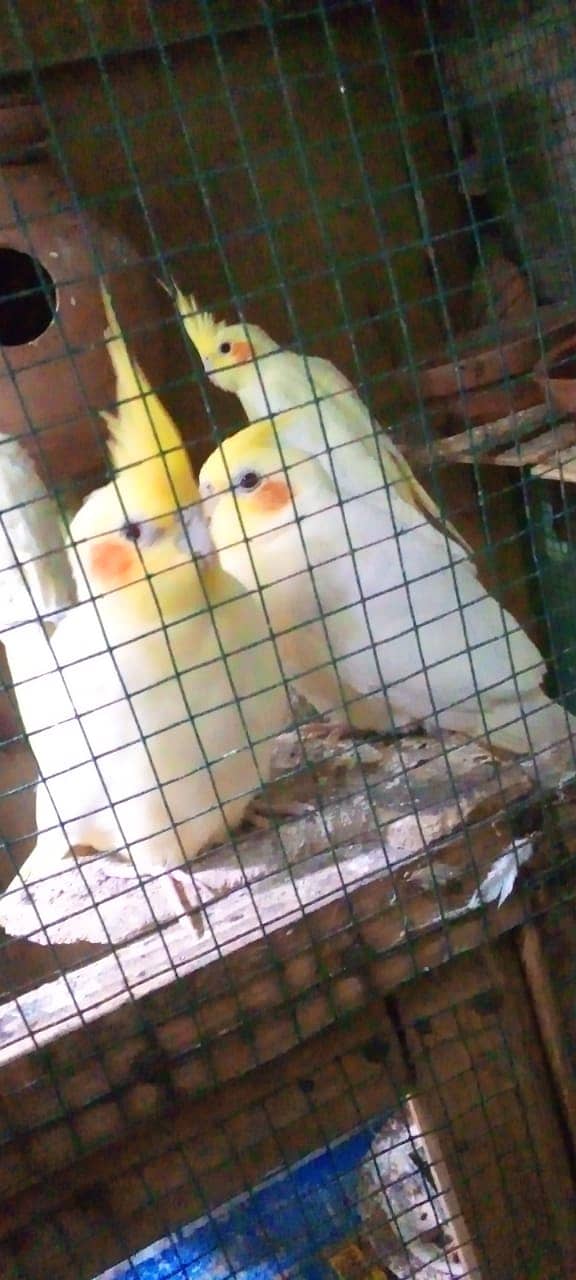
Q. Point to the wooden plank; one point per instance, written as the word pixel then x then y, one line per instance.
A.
pixel 388 800
pixel 551 454
pixel 562 466
pixel 486 1092
pixel 552 1156
pixel 207 1150
pixel 77 1047
pixel 421 1121
pixel 542 449
pixel 472 1049
pixel 102 1092
pixel 475 444
pixel 379 816
pixel 548 1016
pixel 36 36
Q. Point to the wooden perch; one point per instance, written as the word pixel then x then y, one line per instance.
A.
pixel 361 893
pixel 317 923
pixel 550 453
pixel 473 444
pixel 368 812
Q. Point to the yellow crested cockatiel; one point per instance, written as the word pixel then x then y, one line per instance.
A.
pixel 153 714
pixel 395 602
pixel 332 422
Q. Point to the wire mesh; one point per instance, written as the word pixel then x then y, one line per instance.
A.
pixel 287 765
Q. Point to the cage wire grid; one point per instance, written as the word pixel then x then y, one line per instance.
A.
pixel 450 58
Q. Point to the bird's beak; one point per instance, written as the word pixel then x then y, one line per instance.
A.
pixel 195 534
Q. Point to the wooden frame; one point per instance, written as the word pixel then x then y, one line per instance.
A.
pixel 134 1100
pixel 66 34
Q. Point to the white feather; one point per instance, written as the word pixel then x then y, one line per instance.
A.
pixel 35 577
pixel 397 607
pixel 499 883
pixel 150 740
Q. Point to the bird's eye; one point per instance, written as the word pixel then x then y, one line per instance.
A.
pixel 250 480
pixel 132 532
pixel 225 348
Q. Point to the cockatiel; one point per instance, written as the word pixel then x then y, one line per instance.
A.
pixel 332 422
pixel 153 722
pixel 396 603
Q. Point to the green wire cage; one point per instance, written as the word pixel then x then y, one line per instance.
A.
pixel 346 1049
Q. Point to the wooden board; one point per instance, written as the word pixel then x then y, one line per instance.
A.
pixel 550 453
pixel 368 810
pixel 466 1050
pixel 72 33
pixel 137 1090
pixel 312 939
pixel 205 1151
pixel 485 1091
pixel 542 985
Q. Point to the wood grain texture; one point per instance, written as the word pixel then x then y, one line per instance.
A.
pixel 352 900
pixel 394 839
pixel 550 453
pixel 368 811
pixel 205 1150
pixel 70 33
pixel 485 1092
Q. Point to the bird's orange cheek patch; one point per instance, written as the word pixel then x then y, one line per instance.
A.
pixel 112 560
pixel 273 495
pixel 242 352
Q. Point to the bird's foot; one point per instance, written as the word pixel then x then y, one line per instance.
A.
pixel 332 734
pixel 265 813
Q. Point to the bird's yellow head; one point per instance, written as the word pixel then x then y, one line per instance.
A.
pixel 255 490
pixel 132 530
pixel 227 351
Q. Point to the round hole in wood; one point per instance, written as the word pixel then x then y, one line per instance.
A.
pixel 28 298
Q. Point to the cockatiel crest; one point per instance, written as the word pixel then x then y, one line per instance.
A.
pixel 201 326
pixel 223 348
pixel 329 421
pixel 122 524
pixel 147 431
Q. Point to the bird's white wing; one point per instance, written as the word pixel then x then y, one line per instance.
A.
pixel 35 576
pixel 346 419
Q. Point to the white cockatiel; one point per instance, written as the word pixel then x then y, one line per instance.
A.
pixel 398 603
pixel 153 713
pixel 332 422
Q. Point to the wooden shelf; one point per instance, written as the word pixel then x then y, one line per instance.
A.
pixel 164 1043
